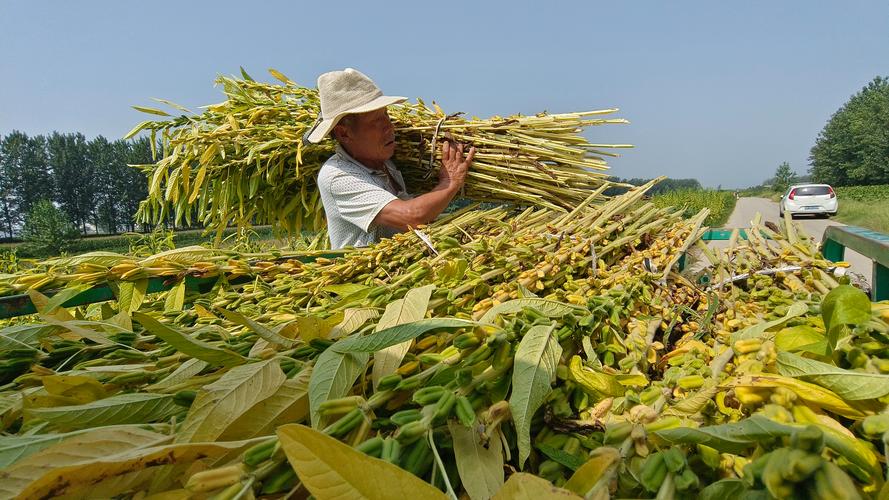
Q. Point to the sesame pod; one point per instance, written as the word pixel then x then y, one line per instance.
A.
pixel 409 384
pixel 215 479
pixel 303 351
pixel 320 344
pixel 281 480
pixel 690 382
pixel 503 358
pixel 465 412
pixel 617 432
pixel 418 459
pixel 185 398
pixel 653 472
pixel 426 343
pixel 428 395
pixel 259 453
pixel 444 406
pixel 688 480
pixel 372 446
pixel 406 416
pixel 389 382
pixel 571 446
pixel 483 352
pixel 466 340
pixel 746 346
pixel 431 358
pixel 345 424
pixel 674 458
pixel 139 377
pixel 339 406
pixel 830 482
pixel 408 368
pixel 391 450
pixel 410 432
pixel 773 474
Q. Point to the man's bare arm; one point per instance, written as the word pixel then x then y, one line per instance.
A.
pixel 402 214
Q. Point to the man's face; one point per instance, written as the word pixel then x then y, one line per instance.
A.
pixel 370 137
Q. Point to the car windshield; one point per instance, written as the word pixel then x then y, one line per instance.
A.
pixel 812 190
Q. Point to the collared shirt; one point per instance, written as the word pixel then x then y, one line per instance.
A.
pixel 353 195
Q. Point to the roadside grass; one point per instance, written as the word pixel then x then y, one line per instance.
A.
pixel 720 203
pixel 870 214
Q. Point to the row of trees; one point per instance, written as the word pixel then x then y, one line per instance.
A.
pixel 87 179
pixel 853 148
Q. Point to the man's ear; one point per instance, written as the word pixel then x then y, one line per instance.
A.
pixel 340 132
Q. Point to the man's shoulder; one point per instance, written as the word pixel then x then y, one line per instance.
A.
pixel 336 166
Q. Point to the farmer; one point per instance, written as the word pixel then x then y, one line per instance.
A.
pixel 364 195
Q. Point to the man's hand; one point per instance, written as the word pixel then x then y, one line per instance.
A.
pixel 454 166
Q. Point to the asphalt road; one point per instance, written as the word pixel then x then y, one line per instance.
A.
pixel 747 208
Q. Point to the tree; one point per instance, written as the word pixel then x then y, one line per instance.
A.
pixel 48 231
pixel 853 148
pixel 74 175
pixel 784 177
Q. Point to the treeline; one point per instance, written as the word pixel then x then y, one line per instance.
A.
pixel 665 186
pixel 853 148
pixel 88 179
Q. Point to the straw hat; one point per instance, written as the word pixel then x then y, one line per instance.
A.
pixel 342 93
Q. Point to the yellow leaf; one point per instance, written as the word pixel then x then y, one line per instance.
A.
pixel 280 76
pixel 331 469
pixel 198 180
pixel 591 472
pixel 88 458
pixel 524 486
pixel 80 388
pixel 151 111
pixel 480 467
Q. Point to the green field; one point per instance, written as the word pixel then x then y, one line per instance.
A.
pixel 720 203
pixel 865 206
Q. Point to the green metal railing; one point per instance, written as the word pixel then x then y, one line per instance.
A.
pixel 871 244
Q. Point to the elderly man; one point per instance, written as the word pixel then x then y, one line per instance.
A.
pixel 364 195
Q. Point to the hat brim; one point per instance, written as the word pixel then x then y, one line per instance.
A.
pixel 327 124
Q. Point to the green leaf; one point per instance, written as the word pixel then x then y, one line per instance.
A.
pixel 591 472
pixel 755 331
pixel 801 338
pixel 260 330
pixel 151 111
pixel 734 438
pixel 331 469
pixel 66 294
pixel 289 404
pixel 333 377
pixel 844 305
pixel 193 347
pixel 550 308
pixel 220 404
pixel 407 310
pixel 186 370
pixel 726 489
pixel 175 298
pixel 353 319
pixel 849 385
pixel 131 294
pixel 129 408
pixel 534 371
pixel 480 466
pixel 26 335
pixel 558 455
pixel 397 334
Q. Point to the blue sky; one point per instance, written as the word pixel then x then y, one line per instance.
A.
pixel 720 91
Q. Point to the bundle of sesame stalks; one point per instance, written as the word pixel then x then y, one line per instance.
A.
pixel 244 161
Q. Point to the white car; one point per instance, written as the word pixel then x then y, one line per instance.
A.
pixel 816 199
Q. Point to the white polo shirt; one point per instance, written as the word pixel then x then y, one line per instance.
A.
pixel 353 195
